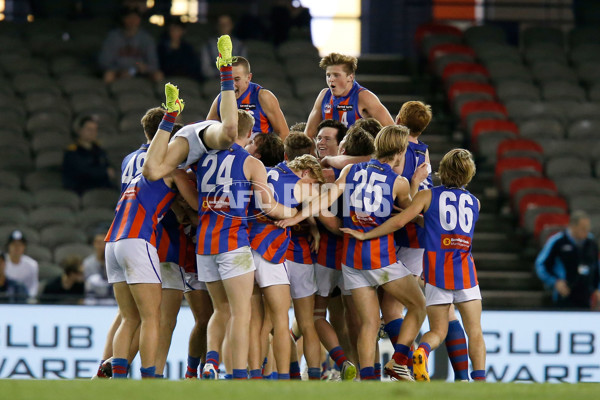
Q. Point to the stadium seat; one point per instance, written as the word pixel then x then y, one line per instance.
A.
pixel 136 103
pixel 436 29
pixel 545 53
pixel 103 198
pixel 534 35
pixel 588 73
pixel 9 180
pixel 16 198
pixel 474 111
pixel 501 70
pixel 16 162
pixel 45 216
pixel 589 203
pixel 72 249
pixel 584 130
pixel 562 90
pixel 39 180
pixel 567 166
pixel 574 186
pixel 550 71
pixel 484 126
pixel 441 50
pixel 516 163
pixel 459 88
pixel 49 159
pixel 54 236
pixel 541 129
pixel 13 216
pixel 584 34
pixel 484 35
pixel 464 68
pixel 519 148
pixel 585 52
pixel 39 253
pixel 90 219
pixel 47 141
pixel 14 145
pixel 547 220
pixel 49 271
pixel 134 85
pixel 73 85
pixel 57 198
pixel 47 120
pixel 533 200
pixel 530 184
pixel 517 90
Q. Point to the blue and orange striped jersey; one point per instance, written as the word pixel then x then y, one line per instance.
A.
pixel 140 208
pixel 449 225
pixel 249 101
pixel 343 109
pixel 299 248
pixel 270 241
pixel 174 244
pixel 330 249
pixel 224 196
pixel 410 235
pixel 369 196
pixel 132 165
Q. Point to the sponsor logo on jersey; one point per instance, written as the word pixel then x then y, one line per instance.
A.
pixel 247 107
pixel 363 219
pixel 456 242
pixel 345 107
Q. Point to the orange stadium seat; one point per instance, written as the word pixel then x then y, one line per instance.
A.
pixel 534 200
pixel 530 184
pixel 519 148
pixel 464 68
pixel 547 220
pixel 443 49
pixel 523 163
pixel 460 87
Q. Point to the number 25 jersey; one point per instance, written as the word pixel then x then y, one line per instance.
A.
pixel 449 225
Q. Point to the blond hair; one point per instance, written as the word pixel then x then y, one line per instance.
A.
pixel 308 162
pixel 245 123
pixel 416 116
pixel 349 63
pixel 391 140
pixel 371 125
pixel 239 61
pixel 457 168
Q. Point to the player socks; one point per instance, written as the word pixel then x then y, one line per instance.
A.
pixel 119 368
pixel 192 367
pixel 212 357
pixel 426 348
pixel 401 354
pixel 456 344
pixel 240 374
pixel 367 374
pixel 338 356
pixel 228 377
pixel 314 374
pixel 377 371
pixel 168 121
pixel 478 375
pixel 393 329
pixel 149 372
pixel 410 358
pixel 283 377
pixel 255 374
pixel 226 77
pixel 295 371
pixel 159 376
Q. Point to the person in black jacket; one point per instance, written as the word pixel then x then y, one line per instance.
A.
pixel 568 264
pixel 68 287
pixel 176 55
pixel 85 163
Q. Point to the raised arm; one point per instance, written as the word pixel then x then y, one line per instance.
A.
pixel 256 173
pixel 370 106
pixel 315 117
pixel 270 106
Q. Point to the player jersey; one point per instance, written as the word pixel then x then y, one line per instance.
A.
pixel 270 241
pixel 343 109
pixel 299 247
pixel 224 196
pixel 132 165
pixel 449 225
pixel 139 209
pixel 174 244
pixel 249 101
pixel 369 198
pixel 411 234
pixel 330 248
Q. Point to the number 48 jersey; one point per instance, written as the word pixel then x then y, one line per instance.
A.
pixel 449 225
pixel 132 165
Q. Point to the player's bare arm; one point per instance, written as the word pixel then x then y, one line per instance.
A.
pixel 185 187
pixel 402 192
pixel 370 106
pixel 221 136
pixel 331 223
pixel 315 117
pixel 341 161
pixel 270 106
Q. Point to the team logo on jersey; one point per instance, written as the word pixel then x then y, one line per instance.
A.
pixel 456 242
pixel 327 108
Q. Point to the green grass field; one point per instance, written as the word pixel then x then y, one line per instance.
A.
pixel 133 390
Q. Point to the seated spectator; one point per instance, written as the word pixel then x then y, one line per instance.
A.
pixel 568 265
pixel 94 268
pixel 19 267
pixel 68 287
pixel 285 15
pixel 85 163
pixel 176 55
pixel 209 53
pixel 129 51
pixel 11 291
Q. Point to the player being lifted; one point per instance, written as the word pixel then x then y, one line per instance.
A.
pixel 344 99
pixel 450 213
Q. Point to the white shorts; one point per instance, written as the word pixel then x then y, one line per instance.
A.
pixel 357 278
pixel 132 261
pixel 412 259
pixel 436 296
pixel 267 273
pixel 192 283
pixel 302 279
pixel 172 276
pixel 191 133
pixel 218 267
pixel 328 279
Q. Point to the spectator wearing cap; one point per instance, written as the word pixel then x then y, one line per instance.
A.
pixel 129 51
pixel 176 55
pixel 85 163
pixel 68 287
pixel 19 267
pixel 11 291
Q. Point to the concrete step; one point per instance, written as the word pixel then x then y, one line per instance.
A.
pixel 494 242
pixel 393 102
pixel 387 84
pixel 515 299
pixel 383 64
pixel 500 261
pixel 511 280
pixel 490 222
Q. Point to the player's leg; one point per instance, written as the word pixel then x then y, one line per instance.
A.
pixel 334 334
pixel 277 298
pixel 201 306
pixel 105 371
pixel 130 320
pixel 217 326
pixel 169 309
pixel 304 309
pixel 353 326
pixel 367 307
pixel 393 315
pixel 438 329
pixel 256 321
pixel 456 344
pixel 147 297
pixel 470 312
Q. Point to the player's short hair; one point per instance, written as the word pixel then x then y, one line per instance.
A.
pixel 415 115
pixel 576 216
pixel 298 126
pixel 349 63
pixel 72 265
pixel 391 140
pixel 151 120
pixel 358 142
pixel 243 62
pixel 331 123
pixel 270 148
pixel 245 123
pixel 371 125
pixel 457 168
pixel 310 163
pixel 297 144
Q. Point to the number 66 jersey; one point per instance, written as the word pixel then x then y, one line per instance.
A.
pixel 449 225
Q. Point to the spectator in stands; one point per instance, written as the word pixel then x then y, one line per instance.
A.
pixel 85 163
pixel 208 52
pixel 129 51
pixel 568 264
pixel 284 16
pixel 94 269
pixel 68 287
pixel 11 291
pixel 19 267
pixel 176 55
